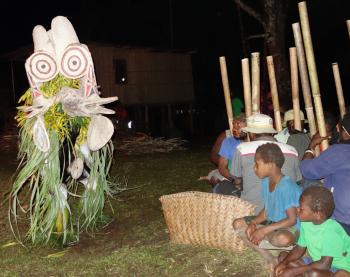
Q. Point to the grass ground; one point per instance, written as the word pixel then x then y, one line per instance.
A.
pixel 136 242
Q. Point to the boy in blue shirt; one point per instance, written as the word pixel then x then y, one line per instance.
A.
pixel 325 240
pixel 277 222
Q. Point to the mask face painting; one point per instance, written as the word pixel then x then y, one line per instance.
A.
pixel 62 116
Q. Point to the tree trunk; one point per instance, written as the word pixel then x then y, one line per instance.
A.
pixel 275 27
pixel 273 19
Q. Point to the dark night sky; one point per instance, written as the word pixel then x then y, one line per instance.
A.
pixel 134 22
pixel 204 24
pixel 210 27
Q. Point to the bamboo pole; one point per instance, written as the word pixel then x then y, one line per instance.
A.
pixel 310 58
pixel 255 82
pixel 348 25
pixel 226 87
pixel 304 78
pixel 339 89
pixel 246 87
pixel 295 87
pixel 274 93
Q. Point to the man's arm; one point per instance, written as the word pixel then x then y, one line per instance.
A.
pixel 223 168
pixel 318 167
pixel 214 153
pixel 315 141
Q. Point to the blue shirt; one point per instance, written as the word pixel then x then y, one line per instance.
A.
pixel 277 202
pixel 228 148
pixel 333 165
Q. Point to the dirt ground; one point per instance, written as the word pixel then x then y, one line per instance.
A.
pixel 136 240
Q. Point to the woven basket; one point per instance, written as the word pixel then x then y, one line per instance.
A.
pixel 202 218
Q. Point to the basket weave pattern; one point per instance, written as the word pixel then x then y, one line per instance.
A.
pixel 202 218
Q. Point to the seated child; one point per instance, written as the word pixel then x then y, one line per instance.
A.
pixel 325 240
pixel 277 221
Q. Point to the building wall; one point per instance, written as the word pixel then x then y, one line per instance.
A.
pixel 103 60
pixel 152 77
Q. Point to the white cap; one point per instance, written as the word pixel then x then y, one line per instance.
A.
pixel 289 115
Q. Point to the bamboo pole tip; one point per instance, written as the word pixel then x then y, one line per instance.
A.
pixel 302 4
pixel 257 54
pixel 335 64
pixel 245 60
pixel 293 51
pixel 348 21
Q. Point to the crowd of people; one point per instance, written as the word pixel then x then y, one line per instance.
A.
pixel 301 198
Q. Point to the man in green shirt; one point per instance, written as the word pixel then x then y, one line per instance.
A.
pixel 325 239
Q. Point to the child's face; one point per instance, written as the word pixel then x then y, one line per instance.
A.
pixel 304 211
pixel 261 168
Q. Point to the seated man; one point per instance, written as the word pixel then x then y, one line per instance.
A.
pixel 333 138
pixel 260 130
pixel 227 150
pixel 332 165
pixel 214 176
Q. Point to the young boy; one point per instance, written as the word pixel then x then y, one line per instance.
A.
pixel 277 221
pixel 324 239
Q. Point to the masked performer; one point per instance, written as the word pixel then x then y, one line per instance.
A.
pixel 62 109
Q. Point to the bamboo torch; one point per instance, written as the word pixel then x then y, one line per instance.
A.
pixel 295 87
pixel 304 78
pixel 255 82
pixel 348 25
pixel 274 93
pixel 246 87
pixel 226 87
pixel 310 58
pixel 339 89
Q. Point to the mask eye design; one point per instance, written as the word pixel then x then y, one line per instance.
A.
pixel 75 61
pixel 42 66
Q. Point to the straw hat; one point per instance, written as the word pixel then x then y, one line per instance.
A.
pixel 259 124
